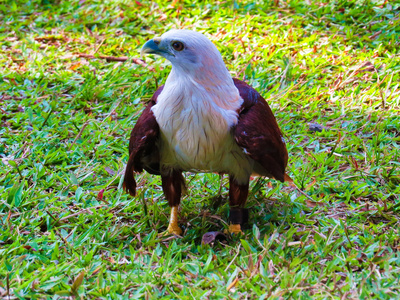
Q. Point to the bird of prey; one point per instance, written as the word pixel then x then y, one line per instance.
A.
pixel 203 120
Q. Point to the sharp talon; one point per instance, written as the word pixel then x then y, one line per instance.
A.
pixel 235 229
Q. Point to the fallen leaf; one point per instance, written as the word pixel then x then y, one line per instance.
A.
pixel 233 283
pixel 75 66
pixel 367 67
pixel 97 270
pixel 271 267
pixel 315 127
pixel 77 282
pixel 109 171
pixel 212 236
pixel 295 243
pixel 100 195
pixel 313 204
pixel 27 247
pixel 310 185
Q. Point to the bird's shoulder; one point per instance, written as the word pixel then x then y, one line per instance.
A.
pixel 147 120
pixel 249 95
pixel 156 94
pixel 146 129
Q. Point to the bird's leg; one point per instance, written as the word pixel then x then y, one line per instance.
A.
pixel 173 226
pixel 172 183
pixel 238 215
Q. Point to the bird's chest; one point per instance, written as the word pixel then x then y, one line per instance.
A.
pixel 195 134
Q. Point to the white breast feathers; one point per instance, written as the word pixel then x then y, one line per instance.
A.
pixel 195 125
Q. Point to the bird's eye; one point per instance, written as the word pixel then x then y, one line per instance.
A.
pixel 178 46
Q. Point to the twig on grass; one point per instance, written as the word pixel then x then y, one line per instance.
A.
pixel 347 235
pixel 8 284
pixel 78 135
pixel 98 47
pixel 80 212
pixel 372 37
pixel 112 111
pixel 59 234
pixel 114 58
pixel 45 120
pixel 384 96
pixel 145 210
pixel 231 262
pixel 108 58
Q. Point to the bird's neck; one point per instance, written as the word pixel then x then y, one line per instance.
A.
pixel 217 88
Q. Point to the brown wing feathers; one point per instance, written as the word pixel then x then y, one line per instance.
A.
pixel 143 151
pixel 258 133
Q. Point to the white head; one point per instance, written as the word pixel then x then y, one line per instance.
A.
pixel 192 55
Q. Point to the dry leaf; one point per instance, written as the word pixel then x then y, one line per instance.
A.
pixel 96 271
pixel 77 282
pixel 100 195
pixel 271 267
pixel 310 185
pixel 75 66
pixel 233 283
pixel 313 204
pixel 212 236
pixel 295 243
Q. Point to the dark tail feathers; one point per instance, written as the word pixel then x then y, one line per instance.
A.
pixel 129 180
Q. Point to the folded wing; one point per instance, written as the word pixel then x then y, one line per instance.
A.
pixel 258 134
pixel 143 150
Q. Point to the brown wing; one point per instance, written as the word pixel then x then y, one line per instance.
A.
pixel 258 134
pixel 143 150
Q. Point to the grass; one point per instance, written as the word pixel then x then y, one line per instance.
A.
pixel 68 229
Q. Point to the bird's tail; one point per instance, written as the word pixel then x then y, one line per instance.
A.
pixel 129 180
pixel 289 180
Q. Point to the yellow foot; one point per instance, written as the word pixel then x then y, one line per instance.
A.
pixel 174 229
pixel 235 229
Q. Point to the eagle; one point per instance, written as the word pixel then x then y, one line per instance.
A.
pixel 203 120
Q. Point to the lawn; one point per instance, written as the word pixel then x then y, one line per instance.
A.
pixel 330 72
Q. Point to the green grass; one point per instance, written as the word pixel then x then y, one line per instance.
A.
pixel 68 229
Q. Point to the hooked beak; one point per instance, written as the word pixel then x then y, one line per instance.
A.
pixel 151 47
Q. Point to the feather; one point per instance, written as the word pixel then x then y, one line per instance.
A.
pixel 258 134
pixel 143 149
